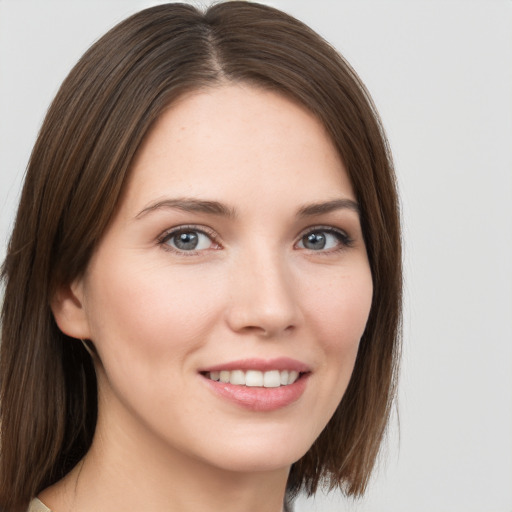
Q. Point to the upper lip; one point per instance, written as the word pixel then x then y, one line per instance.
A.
pixel 263 365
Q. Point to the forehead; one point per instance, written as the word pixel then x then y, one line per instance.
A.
pixel 236 142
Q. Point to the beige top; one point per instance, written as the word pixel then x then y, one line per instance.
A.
pixel 37 506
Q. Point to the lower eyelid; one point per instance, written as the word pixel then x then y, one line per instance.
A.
pixel 344 239
pixel 342 236
pixel 170 233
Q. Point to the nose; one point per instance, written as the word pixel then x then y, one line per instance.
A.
pixel 264 301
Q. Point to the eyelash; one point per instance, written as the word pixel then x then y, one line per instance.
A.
pixel 168 235
pixel 345 241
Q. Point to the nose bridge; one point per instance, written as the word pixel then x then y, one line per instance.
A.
pixel 263 298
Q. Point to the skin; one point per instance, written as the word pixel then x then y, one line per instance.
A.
pixel 253 289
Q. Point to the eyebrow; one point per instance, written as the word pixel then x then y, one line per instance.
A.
pixel 217 208
pixel 311 210
pixel 190 205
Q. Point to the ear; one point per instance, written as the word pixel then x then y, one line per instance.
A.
pixel 68 310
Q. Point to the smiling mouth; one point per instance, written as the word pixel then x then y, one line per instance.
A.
pixel 255 378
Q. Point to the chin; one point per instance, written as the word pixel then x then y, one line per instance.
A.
pixel 261 453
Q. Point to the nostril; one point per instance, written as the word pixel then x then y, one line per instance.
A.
pixel 267 331
pixel 263 312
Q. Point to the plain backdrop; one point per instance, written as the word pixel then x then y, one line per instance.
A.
pixel 440 73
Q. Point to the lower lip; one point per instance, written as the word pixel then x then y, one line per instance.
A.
pixel 259 398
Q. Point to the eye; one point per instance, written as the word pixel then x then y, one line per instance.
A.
pixel 324 239
pixel 185 239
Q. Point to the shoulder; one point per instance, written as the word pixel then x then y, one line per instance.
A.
pixel 37 506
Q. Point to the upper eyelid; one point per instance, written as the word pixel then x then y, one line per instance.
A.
pixel 171 232
pixel 210 231
pixel 323 227
pixel 184 227
pixel 345 239
pixel 213 235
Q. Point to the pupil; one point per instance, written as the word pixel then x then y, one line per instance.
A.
pixel 186 241
pixel 314 241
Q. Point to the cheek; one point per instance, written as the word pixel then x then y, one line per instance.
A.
pixel 338 314
pixel 146 324
pixel 156 313
pixel 338 310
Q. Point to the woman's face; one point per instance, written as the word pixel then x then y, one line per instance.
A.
pixel 236 254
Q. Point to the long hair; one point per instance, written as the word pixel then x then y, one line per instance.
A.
pixel 74 180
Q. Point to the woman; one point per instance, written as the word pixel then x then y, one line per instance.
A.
pixel 202 288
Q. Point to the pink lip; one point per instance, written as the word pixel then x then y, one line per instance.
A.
pixel 260 399
pixel 262 365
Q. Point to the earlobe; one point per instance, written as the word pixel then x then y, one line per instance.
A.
pixel 69 312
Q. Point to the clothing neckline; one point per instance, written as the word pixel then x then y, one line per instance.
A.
pixel 36 505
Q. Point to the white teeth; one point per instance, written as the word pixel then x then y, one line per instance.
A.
pixel 271 379
pixel 237 377
pixel 255 378
pixel 293 376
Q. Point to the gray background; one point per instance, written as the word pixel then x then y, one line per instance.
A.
pixel 441 75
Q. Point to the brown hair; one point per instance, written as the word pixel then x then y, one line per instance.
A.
pixel 75 176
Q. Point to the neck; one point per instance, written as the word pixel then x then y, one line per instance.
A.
pixel 127 469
